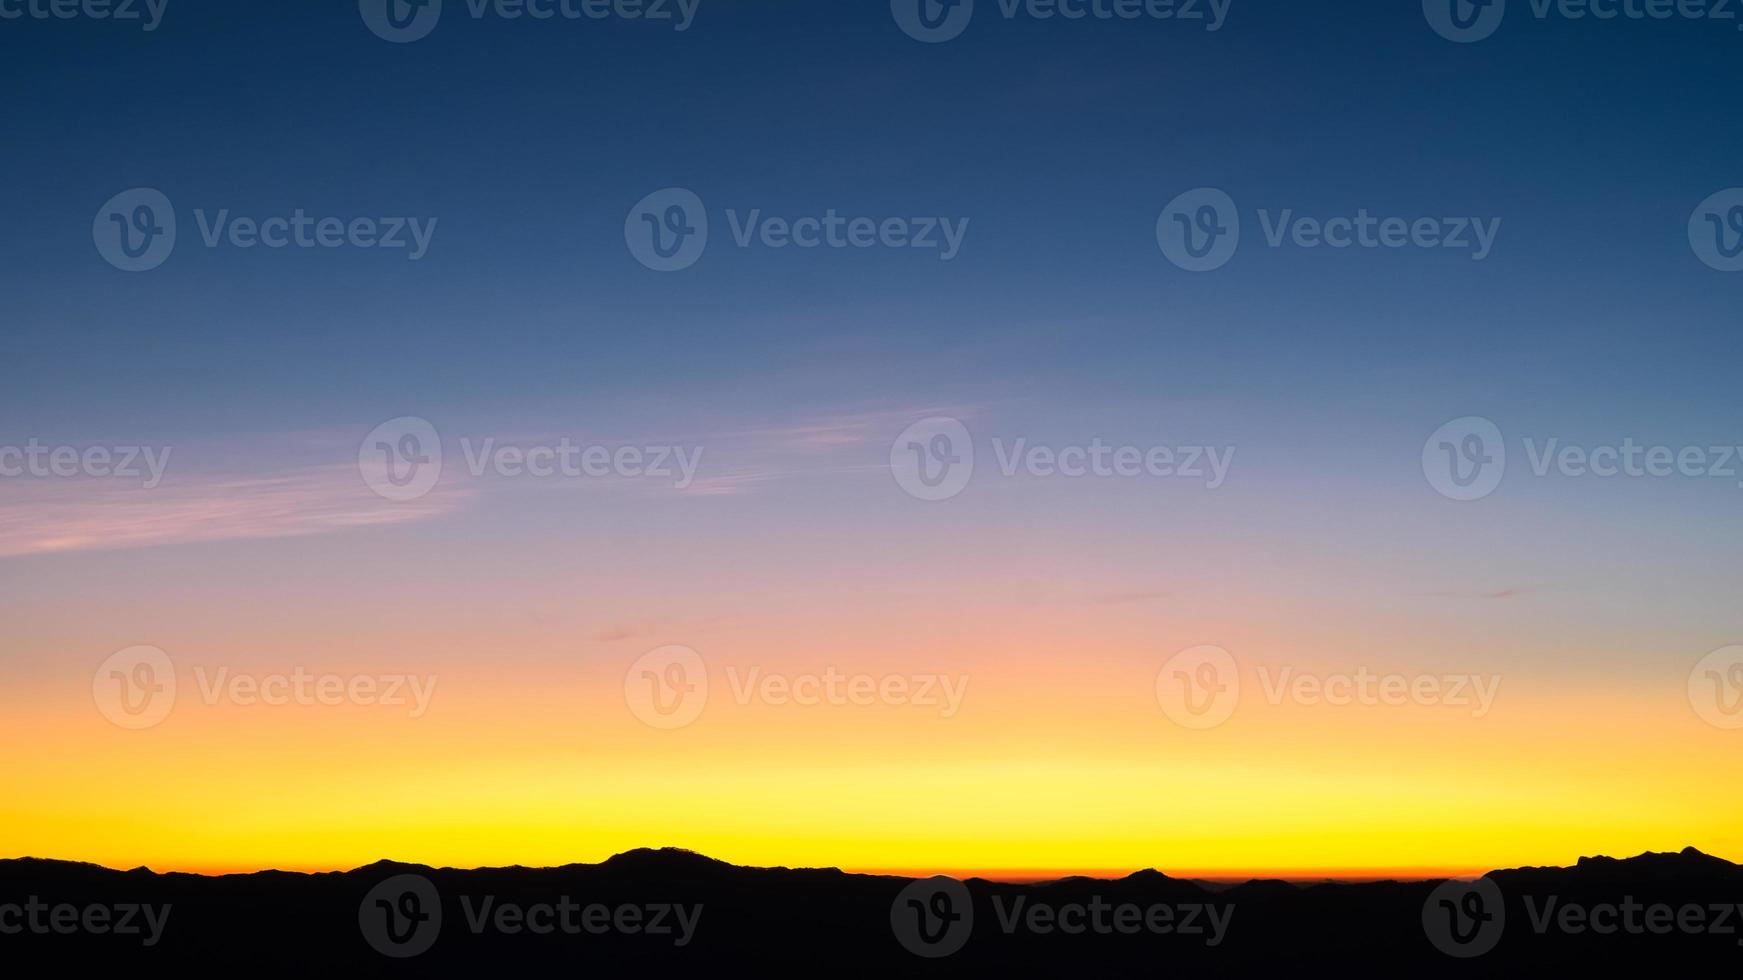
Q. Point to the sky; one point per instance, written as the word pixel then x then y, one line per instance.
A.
pixel 790 377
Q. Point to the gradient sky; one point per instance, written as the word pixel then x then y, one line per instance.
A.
pixel 1060 322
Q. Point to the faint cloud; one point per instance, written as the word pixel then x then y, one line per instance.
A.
pixel 51 517
pixel 1501 594
pixel 1127 598
pixel 835 443
pixel 652 628
pixel 830 432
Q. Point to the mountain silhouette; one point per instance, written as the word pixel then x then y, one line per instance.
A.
pixel 670 910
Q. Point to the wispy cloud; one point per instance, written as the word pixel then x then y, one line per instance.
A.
pixel 746 459
pixel 1498 594
pixel 1127 598
pixel 654 627
pixel 40 516
pixel 47 517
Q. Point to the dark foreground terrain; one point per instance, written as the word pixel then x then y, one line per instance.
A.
pixel 673 912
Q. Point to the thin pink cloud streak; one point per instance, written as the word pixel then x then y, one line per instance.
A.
pixel 47 517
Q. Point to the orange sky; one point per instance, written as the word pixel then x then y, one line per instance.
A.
pixel 1058 619
pixel 1043 770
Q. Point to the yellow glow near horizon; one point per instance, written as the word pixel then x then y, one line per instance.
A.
pixel 1060 774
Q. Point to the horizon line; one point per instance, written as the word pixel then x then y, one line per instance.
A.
pixel 1000 875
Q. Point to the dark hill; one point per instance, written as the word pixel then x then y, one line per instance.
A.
pixel 668 910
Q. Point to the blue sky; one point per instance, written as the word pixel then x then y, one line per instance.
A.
pixel 1060 320
pixel 1064 144
pixel 1059 141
